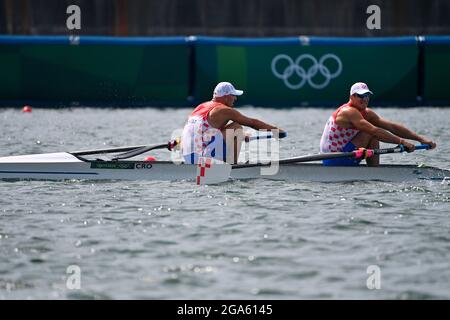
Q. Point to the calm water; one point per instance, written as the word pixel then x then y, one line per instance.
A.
pixel 241 240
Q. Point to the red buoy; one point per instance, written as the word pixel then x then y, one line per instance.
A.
pixel 149 158
pixel 27 109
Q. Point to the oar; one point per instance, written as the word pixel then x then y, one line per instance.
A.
pixel 169 145
pixel 131 149
pixel 136 150
pixel 357 154
pixel 281 135
pixel 213 171
pixel 99 151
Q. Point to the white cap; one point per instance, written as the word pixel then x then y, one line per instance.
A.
pixel 359 88
pixel 225 89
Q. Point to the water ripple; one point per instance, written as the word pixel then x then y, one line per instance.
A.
pixel 255 239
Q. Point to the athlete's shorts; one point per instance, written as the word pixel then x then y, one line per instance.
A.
pixel 349 147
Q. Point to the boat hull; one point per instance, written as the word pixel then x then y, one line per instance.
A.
pixel 64 166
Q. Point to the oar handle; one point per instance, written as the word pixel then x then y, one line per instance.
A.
pixel 367 153
pixel 416 147
pixel 281 135
pixel 423 146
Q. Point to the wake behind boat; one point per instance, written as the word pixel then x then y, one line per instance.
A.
pixel 71 165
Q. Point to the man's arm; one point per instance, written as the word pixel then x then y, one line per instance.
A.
pixel 236 116
pixel 358 121
pixel 398 129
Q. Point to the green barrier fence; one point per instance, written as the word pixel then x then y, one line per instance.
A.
pixel 436 70
pixel 94 70
pixel 183 71
pixel 309 71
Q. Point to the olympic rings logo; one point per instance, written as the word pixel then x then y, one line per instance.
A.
pixel 306 76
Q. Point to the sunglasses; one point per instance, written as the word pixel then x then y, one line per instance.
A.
pixel 362 96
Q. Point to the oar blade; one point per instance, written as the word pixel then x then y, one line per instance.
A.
pixel 212 171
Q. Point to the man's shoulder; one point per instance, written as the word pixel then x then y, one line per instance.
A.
pixel 211 105
pixel 221 113
pixel 221 108
pixel 205 103
pixel 349 115
pixel 355 114
pixel 347 110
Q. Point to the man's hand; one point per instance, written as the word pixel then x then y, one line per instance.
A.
pixel 409 147
pixel 427 141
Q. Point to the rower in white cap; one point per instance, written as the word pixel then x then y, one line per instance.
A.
pixel 209 123
pixel 353 125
